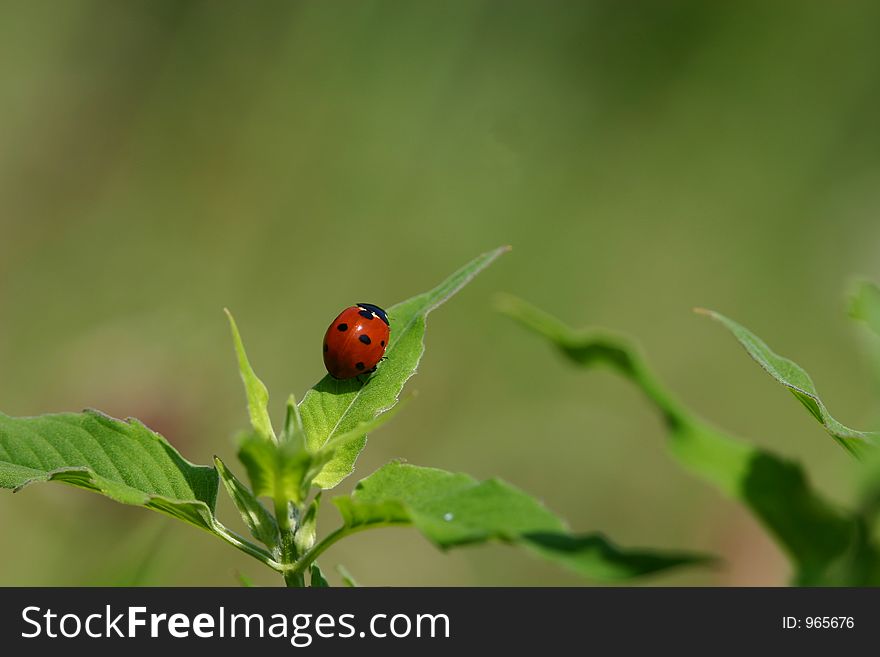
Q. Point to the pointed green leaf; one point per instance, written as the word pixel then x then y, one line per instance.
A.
pixel 244 580
pixel 259 521
pixel 316 578
pixel 824 542
pixel 286 470
pixel 346 576
pixel 455 509
pixel 125 461
pixel 865 305
pixel 255 390
pixel 792 376
pixel 334 407
pixel 280 471
pixel 293 427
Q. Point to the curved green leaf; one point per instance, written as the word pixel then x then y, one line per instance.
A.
pixel 259 521
pixel 285 471
pixel 279 471
pixel 316 578
pixel 792 376
pixel 825 543
pixel 334 407
pixel 125 461
pixel 255 390
pixel 293 429
pixel 455 509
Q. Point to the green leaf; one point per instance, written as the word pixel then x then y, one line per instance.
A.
pixel 259 521
pixel 293 427
pixel 350 443
pixel 455 509
pixel 347 578
pixel 824 542
pixel 865 305
pixel 334 407
pixel 792 376
pixel 280 471
pixel 316 578
pixel 255 390
pixel 594 556
pixel 125 461
pixel 286 470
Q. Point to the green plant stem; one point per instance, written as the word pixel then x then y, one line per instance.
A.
pixel 294 579
pixel 306 560
pixel 246 546
pixel 288 547
pixel 282 515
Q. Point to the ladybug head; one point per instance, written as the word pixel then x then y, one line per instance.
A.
pixel 376 310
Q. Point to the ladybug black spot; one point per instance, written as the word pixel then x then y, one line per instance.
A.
pixel 382 343
pixel 360 366
pixel 326 348
pixel 365 339
pixel 366 313
pixel 343 327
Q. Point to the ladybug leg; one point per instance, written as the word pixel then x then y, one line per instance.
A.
pixel 366 374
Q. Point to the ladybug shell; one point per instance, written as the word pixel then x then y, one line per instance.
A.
pixel 355 341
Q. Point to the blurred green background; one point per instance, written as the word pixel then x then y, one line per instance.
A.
pixel 161 160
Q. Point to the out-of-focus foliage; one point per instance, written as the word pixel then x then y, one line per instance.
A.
pixel 798 382
pixel 865 305
pixel 827 545
pixel 160 161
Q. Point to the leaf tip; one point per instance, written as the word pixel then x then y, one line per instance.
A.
pixel 233 326
pixel 494 254
pixel 504 302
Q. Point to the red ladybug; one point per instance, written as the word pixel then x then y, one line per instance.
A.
pixel 355 341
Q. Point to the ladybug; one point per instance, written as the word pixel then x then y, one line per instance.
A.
pixel 355 341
